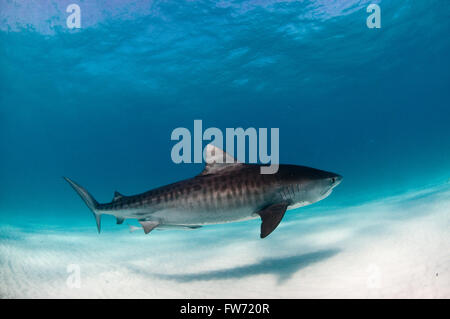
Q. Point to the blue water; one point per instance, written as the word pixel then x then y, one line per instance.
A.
pixel 98 104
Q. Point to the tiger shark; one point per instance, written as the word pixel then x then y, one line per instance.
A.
pixel 225 191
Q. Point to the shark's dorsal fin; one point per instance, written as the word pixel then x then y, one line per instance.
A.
pixel 117 196
pixel 217 160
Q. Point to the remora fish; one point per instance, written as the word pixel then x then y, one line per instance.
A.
pixel 226 191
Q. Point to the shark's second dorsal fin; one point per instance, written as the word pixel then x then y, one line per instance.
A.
pixel 117 196
pixel 217 160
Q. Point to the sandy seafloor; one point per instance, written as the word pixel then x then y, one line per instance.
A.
pixel 393 248
pixel 99 104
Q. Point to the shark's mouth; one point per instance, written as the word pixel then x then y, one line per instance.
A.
pixel 326 193
pixel 299 204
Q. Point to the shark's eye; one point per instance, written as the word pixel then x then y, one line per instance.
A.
pixel 333 180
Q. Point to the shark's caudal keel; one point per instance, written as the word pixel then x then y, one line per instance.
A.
pixel 222 193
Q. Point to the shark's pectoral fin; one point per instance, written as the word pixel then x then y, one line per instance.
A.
pixel 271 217
pixel 119 220
pixel 148 225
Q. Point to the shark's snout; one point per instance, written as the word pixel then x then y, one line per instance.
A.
pixel 336 179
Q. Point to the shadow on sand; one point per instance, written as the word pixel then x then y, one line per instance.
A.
pixel 283 268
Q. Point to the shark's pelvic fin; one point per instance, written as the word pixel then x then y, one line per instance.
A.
pixel 117 196
pixel 148 225
pixel 88 199
pixel 271 217
pixel 119 220
pixel 218 160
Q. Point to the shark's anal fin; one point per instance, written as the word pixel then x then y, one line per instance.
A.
pixel 271 217
pixel 148 225
pixel 119 220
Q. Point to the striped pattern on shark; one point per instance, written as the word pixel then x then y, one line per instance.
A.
pixel 226 191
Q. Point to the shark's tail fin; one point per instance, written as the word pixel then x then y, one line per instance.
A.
pixel 88 199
